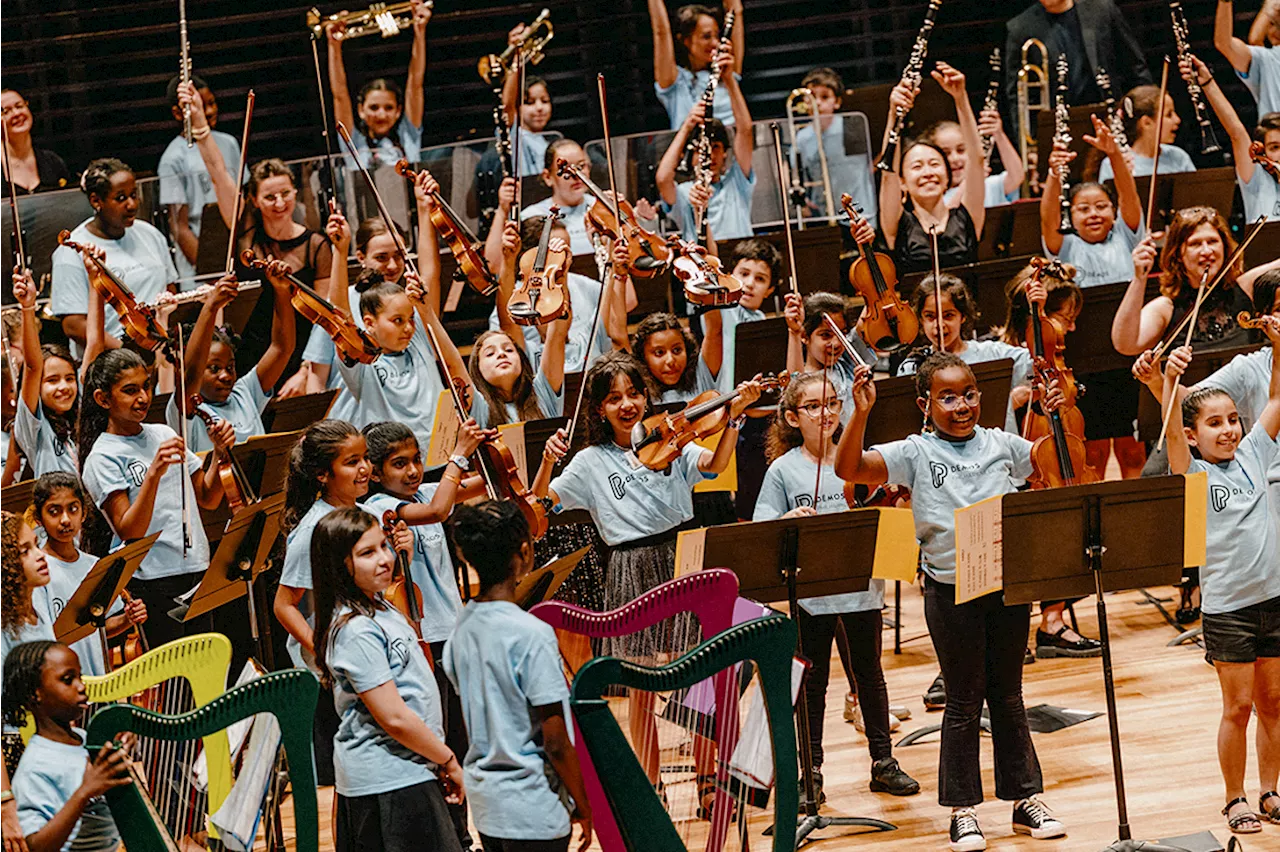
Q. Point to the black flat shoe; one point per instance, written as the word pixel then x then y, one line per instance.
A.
pixel 936 696
pixel 1049 645
pixel 1189 615
pixel 887 777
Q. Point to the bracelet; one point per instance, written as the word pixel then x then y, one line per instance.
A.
pixel 456 480
pixel 738 422
pixel 28 308
pixel 1205 82
pixel 199 134
pixel 6 796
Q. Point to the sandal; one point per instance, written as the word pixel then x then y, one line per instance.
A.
pixel 1246 821
pixel 1272 814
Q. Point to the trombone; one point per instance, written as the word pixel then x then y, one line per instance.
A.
pixel 387 20
pixel 536 36
pixel 801 102
pixel 1031 76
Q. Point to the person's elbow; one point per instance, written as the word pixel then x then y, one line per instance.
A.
pixel 74 325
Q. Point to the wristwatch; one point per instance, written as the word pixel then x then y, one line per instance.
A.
pixel 738 422
pixel 463 463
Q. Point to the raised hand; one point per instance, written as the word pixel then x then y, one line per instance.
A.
pixel 748 393
pixel 172 451
pixel 557 446
pixel 794 313
pixel 339 232
pixel 1179 360
pixel 470 437
pixel 1144 257
pixel 1146 368
pixel 1102 138
pixel 24 288
pixel 864 389
pixel 951 80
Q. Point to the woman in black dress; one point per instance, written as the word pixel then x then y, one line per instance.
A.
pixel 34 169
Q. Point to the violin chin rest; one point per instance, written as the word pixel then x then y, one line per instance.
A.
pixel 647 263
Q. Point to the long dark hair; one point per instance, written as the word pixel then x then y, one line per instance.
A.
pixel 104 371
pixel 332 581
pixel 1062 292
pixel 599 381
pixel 63 425
pixel 655 323
pixel 381 84
pixel 782 436
pixel 526 401
pixel 383 439
pixel 311 456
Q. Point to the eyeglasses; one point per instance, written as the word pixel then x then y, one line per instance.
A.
pixel 951 401
pixel 814 409
pixel 4 111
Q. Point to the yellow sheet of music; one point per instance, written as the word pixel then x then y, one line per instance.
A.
pixel 979 553
pixel 690 546
pixel 897 551
pixel 1196 508
pixel 444 432
pixel 512 434
pixel 727 481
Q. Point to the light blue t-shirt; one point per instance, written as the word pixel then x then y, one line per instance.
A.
pixel 584 299
pixel 64 579
pixel 120 463
pixel 993 194
pixel 574 220
pixel 1173 161
pixel 728 211
pixel 46 779
pixel 1107 262
pixel 184 179
pixel 504 662
pixel 626 500
pixel 678 98
pixel 364 653
pixel 1263 78
pixel 1242 558
pixel 404 142
pixel 533 151
pixel 431 566
pixel 243 408
pixel 703 382
pixel 947 475
pixel 1261 195
pixel 731 317
pixel 550 402
pixel 851 173
pixel 788 484
pixel 403 387
pixel 42 630
pixel 35 436
pixel 140 259
pixel 982 351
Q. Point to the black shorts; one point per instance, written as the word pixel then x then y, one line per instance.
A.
pixel 1244 635
pixel 410 819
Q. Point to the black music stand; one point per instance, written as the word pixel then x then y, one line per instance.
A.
pixel 541 584
pixel 1093 551
pixel 156 411
pixel 242 554
pixel 297 412
pixel 88 608
pixel 896 414
pixel 802 567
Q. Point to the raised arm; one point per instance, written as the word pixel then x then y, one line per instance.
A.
pixel 1126 186
pixel 429 266
pixel 1009 156
pixel 853 464
pixel 1270 417
pixel 1051 200
pixel 890 183
pixel 666 173
pixel 494 239
pixel 744 140
pixel 197 352
pixel 1137 326
pixel 739 35
pixel 1239 134
pixel 24 292
pixel 1179 451
pixel 512 97
pixel 975 172
pixel 507 268
pixel 342 110
pixel 1267 17
pixel 664 47
pixel 793 311
pixel 1235 50
pixel 224 183
pixel 339 233
pixel 717 461
pixel 284 331
pixel 413 98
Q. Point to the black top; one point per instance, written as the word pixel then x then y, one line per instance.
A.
pixel 1216 326
pixel 51 170
pixel 957 244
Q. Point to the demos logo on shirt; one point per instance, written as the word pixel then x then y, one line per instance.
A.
pixel 939 472
pixel 1220 496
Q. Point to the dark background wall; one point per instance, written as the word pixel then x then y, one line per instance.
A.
pixel 95 73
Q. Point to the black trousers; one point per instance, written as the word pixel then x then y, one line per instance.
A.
pixel 817 632
pixel 455 737
pixel 410 819
pixel 498 844
pixel 980 645
pixel 159 596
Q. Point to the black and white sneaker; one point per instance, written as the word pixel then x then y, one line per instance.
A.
pixel 966 834
pixel 1031 816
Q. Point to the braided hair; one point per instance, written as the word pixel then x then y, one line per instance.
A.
pixel 23 668
pixel 489 536
pixel 96 179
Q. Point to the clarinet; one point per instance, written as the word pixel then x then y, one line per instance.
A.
pixel 1062 133
pixel 1115 117
pixel 184 70
pixel 992 102
pixel 911 76
pixel 699 146
pixel 1208 141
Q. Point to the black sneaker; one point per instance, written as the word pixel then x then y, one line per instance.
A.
pixel 936 696
pixel 1031 816
pixel 1028 658
pixel 887 777
pixel 966 834
pixel 1057 645
pixel 818 792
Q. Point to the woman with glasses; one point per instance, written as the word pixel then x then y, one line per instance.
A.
pixel 34 169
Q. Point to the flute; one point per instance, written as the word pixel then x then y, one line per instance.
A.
pixel 184 69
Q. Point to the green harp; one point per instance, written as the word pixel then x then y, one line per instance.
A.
pixel 288 695
pixel 645 826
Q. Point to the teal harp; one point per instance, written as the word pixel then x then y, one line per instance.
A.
pixel 642 821
pixel 288 695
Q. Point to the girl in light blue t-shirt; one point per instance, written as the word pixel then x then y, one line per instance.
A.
pixel 24 608
pixel 49 399
pixel 393 772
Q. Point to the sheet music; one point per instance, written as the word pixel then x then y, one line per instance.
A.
pixel 512 435
pixel 691 545
pixel 752 760
pixel 979 549
pixel 444 432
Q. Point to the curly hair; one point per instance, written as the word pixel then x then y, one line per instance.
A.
pixel 935 363
pixel 16 609
pixel 313 455
pixel 96 178
pixel 1175 280
pixel 23 668
pixel 782 436
pixel 526 401
pixel 1063 295
pixel 489 536
pixel 599 381
pixel 654 323
pixel 333 583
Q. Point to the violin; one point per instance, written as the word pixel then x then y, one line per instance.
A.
pixel 403 593
pixel 659 440
pixel 139 320
pixel 1244 319
pixel 882 496
pixel 353 343
pixel 135 644
pixel 648 254
pixel 471 263
pixel 1058 450
pixel 704 279
pixel 541 294
pixel 888 322
pixel 1258 153
pixel 235 483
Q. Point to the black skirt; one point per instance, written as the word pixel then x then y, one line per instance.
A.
pixel 410 819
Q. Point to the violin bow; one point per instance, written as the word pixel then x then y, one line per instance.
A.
pixel 392 229
pixel 937 286
pixel 324 129
pixel 238 210
pixel 515 142
pixel 1155 164
pixel 844 341
pixel 456 395
pixel 20 262
pixel 1191 327
pixel 786 213
pixel 822 438
pixel 181 364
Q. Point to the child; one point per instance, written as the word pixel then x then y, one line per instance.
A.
pixel 682 63
pixel 137 473
pixel 850 171
pixel 1140 128
pixel 58 788
pixel 534 113
pixel 813 347
pixel 1102 245
pixel 49 400
pixel 674 368
pixel 981 643
pixel 567 193
pixel 394 774
pixel 801 438
pixel 1256 63
pixel 390 123
pixel 211 365
pixel 59 503
pixel 24 604
pixel 1239 586
pixel 506 665
pixel 728 207
pixel 998 189
pixel 758 265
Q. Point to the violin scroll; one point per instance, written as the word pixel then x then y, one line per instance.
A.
pixel 1258 153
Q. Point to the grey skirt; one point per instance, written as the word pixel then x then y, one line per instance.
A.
pixel 632 572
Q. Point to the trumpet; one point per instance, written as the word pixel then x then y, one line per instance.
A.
pixel 801 102
pixel 1062 135
pixel 536 36
pixel 387 20
pixel 1031 76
